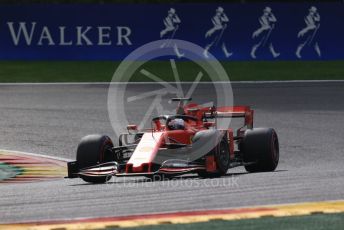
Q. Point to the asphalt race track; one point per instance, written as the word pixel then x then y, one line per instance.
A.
pixel 51 119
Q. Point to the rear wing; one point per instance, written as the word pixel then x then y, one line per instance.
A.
pixel 214 112
pixel 231 112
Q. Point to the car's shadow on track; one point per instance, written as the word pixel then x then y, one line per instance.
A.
pixel 137 180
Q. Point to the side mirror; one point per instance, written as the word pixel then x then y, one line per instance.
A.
pixel 132 128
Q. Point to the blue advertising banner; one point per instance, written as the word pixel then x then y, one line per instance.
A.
pixel 277 31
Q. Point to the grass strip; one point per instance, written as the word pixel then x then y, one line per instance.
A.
pixel 102 71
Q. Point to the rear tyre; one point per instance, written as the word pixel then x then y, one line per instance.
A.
pixel 92 150
pixel 222 159
pixel 260 149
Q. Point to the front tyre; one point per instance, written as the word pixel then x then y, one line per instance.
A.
pixel 260 148
pixel 222 159
pixel 92 150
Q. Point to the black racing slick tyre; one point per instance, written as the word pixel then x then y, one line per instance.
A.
pixel 92 150
pixel 222 159
pixel 260 150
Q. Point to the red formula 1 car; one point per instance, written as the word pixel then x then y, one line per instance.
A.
pixel 187 142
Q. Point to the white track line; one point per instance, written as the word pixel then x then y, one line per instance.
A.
pixel 36 155
pixel 185 82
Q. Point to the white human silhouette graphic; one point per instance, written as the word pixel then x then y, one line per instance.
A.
pixel 220 22
pixel 309 33
pixel 171 23
pixel 267 22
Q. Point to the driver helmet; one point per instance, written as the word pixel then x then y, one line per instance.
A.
pixel 176 124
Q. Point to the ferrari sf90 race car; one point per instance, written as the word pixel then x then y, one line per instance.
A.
pixel 189 141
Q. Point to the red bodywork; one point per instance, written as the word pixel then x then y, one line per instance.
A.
pixel 160 135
